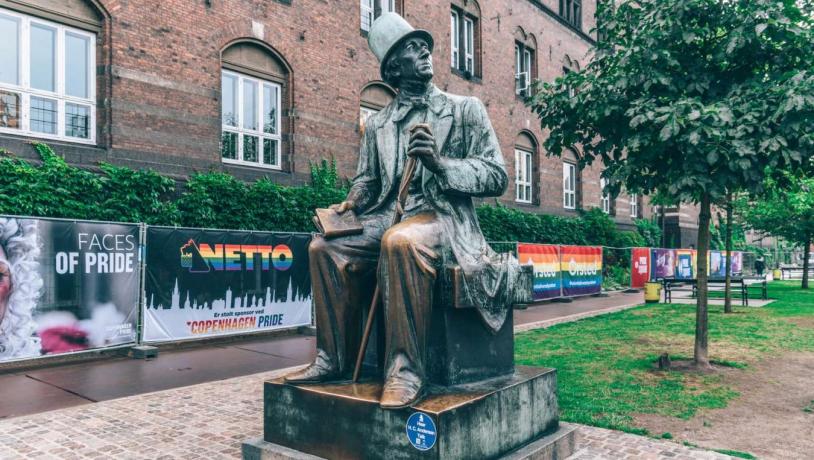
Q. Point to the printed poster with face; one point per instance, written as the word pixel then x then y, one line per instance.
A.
pixel 663 261
pixel 66 286
pixel 203 283
pixel 717 264
pixel 737 263
pixel 684 264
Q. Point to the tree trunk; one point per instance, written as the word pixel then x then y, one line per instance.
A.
pixel 701 313
pixel 728 284
pixel 806 256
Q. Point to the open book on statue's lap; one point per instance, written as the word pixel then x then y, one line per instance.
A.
pixel 332 224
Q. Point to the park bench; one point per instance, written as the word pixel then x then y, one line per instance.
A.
pixel 794 273
pixel 738 284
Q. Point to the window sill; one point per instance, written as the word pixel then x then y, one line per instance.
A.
pixel 247 164
pixel 466 75
pixel 47 137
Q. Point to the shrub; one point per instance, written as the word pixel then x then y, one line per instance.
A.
pixel 650 232
pixel 53 188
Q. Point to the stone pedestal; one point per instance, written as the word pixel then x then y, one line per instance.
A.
pixel 509 417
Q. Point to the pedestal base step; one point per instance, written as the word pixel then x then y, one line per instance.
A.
pixel 487 419
pixel 558 445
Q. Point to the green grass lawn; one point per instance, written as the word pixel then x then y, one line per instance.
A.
pixel 605 364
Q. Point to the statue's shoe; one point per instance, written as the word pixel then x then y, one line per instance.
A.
pixel 321 370
pixel 399 393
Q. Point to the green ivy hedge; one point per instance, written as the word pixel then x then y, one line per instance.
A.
pixel 53 188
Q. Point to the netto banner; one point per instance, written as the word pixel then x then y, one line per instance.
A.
pixel 546 261
pixel 202 283
pixel 581 268
pixel 66 286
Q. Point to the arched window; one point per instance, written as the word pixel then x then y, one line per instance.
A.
pixel 375 96
pixel 571 181
pixel 569 65
pixel 254 103
pixel 525 62
pixel 465 38
pixel 525 168
pixel 48 59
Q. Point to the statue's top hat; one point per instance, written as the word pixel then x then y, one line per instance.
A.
pixel 388 32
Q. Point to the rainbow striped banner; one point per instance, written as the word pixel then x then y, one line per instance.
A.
pixel 546 261
pixel 581 268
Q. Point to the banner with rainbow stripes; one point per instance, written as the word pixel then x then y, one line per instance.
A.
pixel 546 261
pixel 581 268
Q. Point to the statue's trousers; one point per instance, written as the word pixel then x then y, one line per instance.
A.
pixel 408 257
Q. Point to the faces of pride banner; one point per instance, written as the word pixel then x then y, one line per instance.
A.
pixel 563 270
pixel 66 286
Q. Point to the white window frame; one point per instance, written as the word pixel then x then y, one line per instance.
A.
pixel 455 38
pixel 569 182
pixel 522 62
pixel 469 45
pixel 364 114
pixel 388 6
pixel 24 89
pixel 634 205
pixel 605 198
pixel 524 180
pixel 366 13
pixel 259 132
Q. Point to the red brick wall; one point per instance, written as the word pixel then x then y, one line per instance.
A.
pixel 164 72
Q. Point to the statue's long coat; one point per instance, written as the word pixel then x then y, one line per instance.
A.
pixel 473 166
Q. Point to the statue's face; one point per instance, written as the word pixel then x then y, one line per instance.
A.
pixel 5 283
pixel 415 60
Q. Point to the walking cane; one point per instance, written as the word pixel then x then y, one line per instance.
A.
pixel 406 178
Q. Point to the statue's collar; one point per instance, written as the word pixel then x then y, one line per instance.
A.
pixel 433 98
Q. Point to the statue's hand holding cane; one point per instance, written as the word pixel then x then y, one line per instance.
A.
pixel 422 146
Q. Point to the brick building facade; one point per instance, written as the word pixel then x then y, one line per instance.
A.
pixel 262 88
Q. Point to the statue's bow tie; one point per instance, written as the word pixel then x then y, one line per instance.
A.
pixel 420 102
pixel 408 104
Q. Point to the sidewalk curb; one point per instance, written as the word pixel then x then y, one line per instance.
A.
pixel 571 318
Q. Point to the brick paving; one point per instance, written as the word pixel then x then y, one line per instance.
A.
pixel 32 391
pixel 600 444
pixel 210 420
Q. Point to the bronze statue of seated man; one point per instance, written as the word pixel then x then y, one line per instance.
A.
pixel 459 158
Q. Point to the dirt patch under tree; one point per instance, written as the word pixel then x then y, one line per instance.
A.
pixel 773 418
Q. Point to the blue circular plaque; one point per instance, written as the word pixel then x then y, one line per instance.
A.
pixel 421 431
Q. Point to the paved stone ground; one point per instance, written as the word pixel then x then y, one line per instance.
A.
pixel 601 444
pixel 210 420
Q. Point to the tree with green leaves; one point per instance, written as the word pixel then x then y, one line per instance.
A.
pixel 690 99
pixel 786 210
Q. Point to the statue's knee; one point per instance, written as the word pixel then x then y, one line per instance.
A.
pixel 317 247
pixel 396 239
